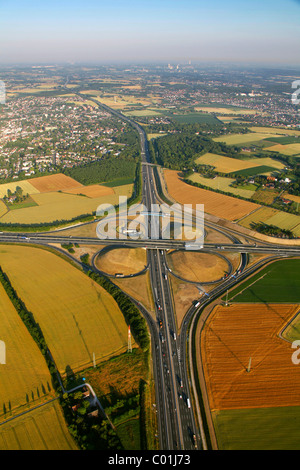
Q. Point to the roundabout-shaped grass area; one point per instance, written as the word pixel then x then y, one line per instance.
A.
pixel 197 266
pixel 125 261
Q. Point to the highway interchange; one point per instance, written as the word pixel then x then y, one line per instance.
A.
pixel 177 404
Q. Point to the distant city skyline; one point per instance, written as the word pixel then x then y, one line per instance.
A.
pixel 142 31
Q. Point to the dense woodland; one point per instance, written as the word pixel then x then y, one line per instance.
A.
pixel 107 169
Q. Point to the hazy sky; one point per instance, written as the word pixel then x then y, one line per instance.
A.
pixel 40 31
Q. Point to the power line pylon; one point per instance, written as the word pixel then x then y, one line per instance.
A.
pixel 129 348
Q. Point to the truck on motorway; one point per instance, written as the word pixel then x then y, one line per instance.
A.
pixel 188 403
pixel 196 303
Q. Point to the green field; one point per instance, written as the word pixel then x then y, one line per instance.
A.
pixel 256 170
pixel 258 428
pixel 284 140
pixel 277 282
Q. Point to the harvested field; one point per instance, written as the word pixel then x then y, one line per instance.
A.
pixel 197 266
pixel 214 203
pixel 59 182
pixel 76 315
pixel 92 191
pixel 122 260
pixel 234 334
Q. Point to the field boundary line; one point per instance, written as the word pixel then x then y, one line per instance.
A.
pixel 28 411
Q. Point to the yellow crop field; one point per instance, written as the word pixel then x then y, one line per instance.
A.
pixel 58 182
pixel 237 139
pixel 26 186
pixel 41 429
pixel 221 110
pixel 269 216
pixel 95 190
pixel 61 206
pixel 292 197
pixel 25 380
pixel 143 112
pixel 228 165
pixel 223 184
pixel 286 221
pixel 288 149
pixel 3 208
pixel 259 216
pixel 220 205
pixel 77 316
pixel 275 130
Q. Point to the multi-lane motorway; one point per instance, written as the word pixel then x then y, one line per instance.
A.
pixel 179 420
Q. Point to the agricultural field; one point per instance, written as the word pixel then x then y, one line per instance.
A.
pixel 77 316
pixel 269 216
pixel 222 184
pixel 243 139
pixel 25 185
pixel 226 110
pixel 119 379
pixel 276 131
pixel 122 260
pixel 287 149
pixel 59 197
pixel 213 202
pixel 58 182
pixel 278 282
pixel 118 101
pixel 191 118
pixel 262 397
pixel 265 195
pixel 197 267
pixel 40 429
pixel 229 165
pixel 144 112
pixel 258 428
pixel 25 378
pixel 3 208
